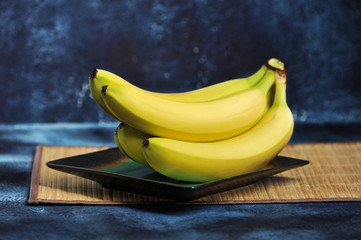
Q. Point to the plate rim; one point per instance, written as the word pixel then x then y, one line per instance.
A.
pixel 198 185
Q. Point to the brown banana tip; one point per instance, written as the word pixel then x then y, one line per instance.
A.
pixel 276 64
pixel 104 90
pixel 281 76
pixel 121 125
pixel 146 143
pixel 93 74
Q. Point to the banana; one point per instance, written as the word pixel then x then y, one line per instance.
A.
pixel 248 152
pixel 99 78
pixel 116 139
pixel 196 121
pixel 129 140
pixel 95 92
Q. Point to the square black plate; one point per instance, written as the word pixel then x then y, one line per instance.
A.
pixel 113 170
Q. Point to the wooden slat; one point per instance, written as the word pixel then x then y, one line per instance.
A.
pixel 334 174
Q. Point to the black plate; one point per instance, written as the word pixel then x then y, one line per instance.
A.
pixel 113 170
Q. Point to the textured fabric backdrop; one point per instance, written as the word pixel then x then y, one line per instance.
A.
pixel 48 49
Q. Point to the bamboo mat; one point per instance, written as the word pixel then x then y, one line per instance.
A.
pixel 334 174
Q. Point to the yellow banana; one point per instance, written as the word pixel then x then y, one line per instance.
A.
pixel 250 151
pixel 128 140
pixel 116 139
pixel 196 121
pixel 95 90
pixel 99 78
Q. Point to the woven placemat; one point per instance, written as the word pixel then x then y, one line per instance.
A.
pixel 334 174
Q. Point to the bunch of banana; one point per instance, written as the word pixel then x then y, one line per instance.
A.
pixel 247 152
pixel 201 135
pixel 189 121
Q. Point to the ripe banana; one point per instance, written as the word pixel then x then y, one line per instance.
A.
pixel 99 78
pixel 196 122
pixel 116 140
pixel 250 151
pixel 129 141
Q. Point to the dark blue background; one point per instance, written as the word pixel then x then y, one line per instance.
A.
pixel 48 49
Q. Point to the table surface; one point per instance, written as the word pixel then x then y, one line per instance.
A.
pixel 332 220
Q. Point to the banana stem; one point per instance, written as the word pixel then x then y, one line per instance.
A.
pixel 267 82
pixel 281 83
pixel 277 68
pixel 281 76
pixel 276 64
